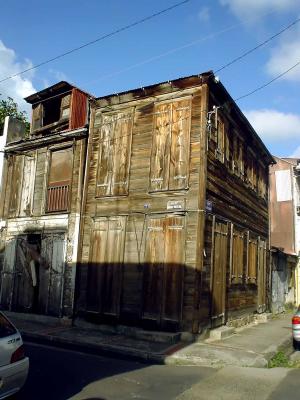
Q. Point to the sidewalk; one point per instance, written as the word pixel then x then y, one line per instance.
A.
pixel 251 346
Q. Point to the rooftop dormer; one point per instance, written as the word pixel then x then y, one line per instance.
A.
pixel 60 107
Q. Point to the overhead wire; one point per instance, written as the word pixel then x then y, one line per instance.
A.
pixel 101 38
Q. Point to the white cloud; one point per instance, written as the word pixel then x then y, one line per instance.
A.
pixel 285 55
pixel 204 14
pixel 249 8
pixel 19 86
pixel 296 153
pixel 58 75
pixel 273 125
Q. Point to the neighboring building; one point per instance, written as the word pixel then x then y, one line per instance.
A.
pixel 285 230
pixel 40 203
pixel 175 218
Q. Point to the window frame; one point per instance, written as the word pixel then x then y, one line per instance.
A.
pixel 159 103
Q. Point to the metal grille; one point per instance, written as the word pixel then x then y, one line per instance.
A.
pixel 58 198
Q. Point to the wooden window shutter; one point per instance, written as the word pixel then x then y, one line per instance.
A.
pixel 121 153
pixel 220 140
pixel 160 158
pixel 179 158
pixel 252 260
pixel 237 256
pixel 16 185
pixel 105 162
pixel 37 117
pixel 114 154
pixel 173 271
pixel 65 106
pixel 227 144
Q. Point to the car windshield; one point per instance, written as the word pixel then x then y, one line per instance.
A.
pixel 6 328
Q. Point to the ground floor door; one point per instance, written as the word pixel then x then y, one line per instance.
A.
pixel 106 266
pixel 261 276
pixel 38 274
pixel 218 279
pixel 163 271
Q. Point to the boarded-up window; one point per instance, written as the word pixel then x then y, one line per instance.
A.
pixel 170 147
pixel 27 185
pixel 251 172
pixel 237 255
pixel 220 145
pixel 114 154
pixel 59 180
pixel 16 184
pixel 105 269
pixel 262 183
pixel 65 107
pixel 37 117
pixel 238 156
pixel 252 260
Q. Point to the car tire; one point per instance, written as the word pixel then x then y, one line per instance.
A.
pixel 296 344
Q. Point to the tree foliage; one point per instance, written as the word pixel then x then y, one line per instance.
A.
pixel 10 108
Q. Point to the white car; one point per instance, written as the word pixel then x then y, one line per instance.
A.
pixel 13 363
pixel 296 329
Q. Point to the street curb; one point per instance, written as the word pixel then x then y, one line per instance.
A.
pixel 106 350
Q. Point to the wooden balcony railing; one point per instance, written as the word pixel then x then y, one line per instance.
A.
pixel 57 198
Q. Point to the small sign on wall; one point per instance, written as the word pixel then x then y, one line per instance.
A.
pixel 209 206
pixel 175 205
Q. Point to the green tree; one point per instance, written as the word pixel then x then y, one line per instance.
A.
pixel 10 108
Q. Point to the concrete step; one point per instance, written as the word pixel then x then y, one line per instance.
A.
pixel 263 317
pixel 132 332
pixel 221 333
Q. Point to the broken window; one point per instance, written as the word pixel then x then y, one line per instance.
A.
pixel 114 154
pixel 237 255
pixel 59 180
pixel 170 147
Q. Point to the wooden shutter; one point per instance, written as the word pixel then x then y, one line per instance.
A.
pixel 37 117
pixel 105 272
pixel 252 261
pixel 121 155
pixel 173 271
pixel 220 140
pixel 16 185
pixel 114 156
pixel 105 162
pixel 179 157
pixel 160 158
pixel 237 257
pixel 261 278
pixel 65 106
pixel 28 185
pixel 154 261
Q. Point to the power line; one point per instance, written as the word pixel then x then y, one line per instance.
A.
pixel 103 37
pixel 268 83
pixel 258 46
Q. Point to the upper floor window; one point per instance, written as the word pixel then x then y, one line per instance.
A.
pixel 238 156
pixel 59 180
pixel 114 154
pixel 170 146
pixel 50 111
pixel 220 139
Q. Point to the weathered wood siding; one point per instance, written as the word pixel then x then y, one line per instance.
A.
pixel 158 205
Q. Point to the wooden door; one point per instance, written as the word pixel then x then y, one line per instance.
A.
pixel 163 270
pixel 105 266
pixel 261 276
pixel 219 266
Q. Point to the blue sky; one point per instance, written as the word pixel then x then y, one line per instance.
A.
pixel 195 37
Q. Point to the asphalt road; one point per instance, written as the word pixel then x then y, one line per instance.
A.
pixel 59 374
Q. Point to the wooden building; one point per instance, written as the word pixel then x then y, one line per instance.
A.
pixel 40 203
pixel 174 232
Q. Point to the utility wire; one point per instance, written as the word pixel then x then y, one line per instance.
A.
pixel 268 83
pixel 103 37
pixel 258 46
